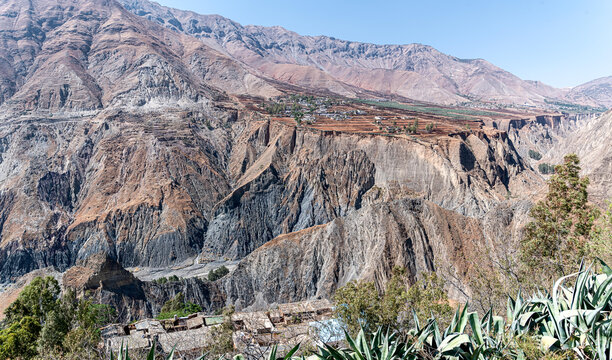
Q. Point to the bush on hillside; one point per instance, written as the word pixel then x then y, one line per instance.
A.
pixel 214 275
pixel 535 155
pixel 177 306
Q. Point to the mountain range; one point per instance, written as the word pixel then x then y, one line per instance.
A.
pixel 143 133
pixel 412 71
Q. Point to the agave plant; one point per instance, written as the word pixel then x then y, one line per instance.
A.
pixel 576 318
pixel 573 318
pixel 124 354
pixel 485 341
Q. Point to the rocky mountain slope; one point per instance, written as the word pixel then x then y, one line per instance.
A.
pixel 592 143
pixel 413 71
pixel 82 56
pixel 595 93
pixel 124 138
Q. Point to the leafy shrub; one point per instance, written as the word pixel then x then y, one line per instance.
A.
pixel 535 155
pixel 546 168
pixel 178 307
pixel 39 321
pixel 359 305
pixel 214 275
pixel 18 341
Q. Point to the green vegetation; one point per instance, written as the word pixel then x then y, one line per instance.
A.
pixel 214 275
pixel 459 114
pixel 546 168
pixel 574 108
pixel 298 116
pixel 562 223
pixel 359 305
pixel 600 244
pixel 276 108
pixel 178 307
pixel 40 321
pixel 163 280
pixel 412 129
pixel 535 155
pixel 429 127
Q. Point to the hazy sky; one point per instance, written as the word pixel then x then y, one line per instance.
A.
pixel 561 42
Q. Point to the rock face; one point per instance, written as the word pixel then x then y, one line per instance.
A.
pixel 591 142
pixel 124 138
pixel 304 178
pixel 366 244
pixel 587 135
pixel 542 133
pixel 109 283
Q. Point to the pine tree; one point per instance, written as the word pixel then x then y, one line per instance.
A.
pixel 557 237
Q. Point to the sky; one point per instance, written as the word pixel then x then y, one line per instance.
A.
pixel 563 43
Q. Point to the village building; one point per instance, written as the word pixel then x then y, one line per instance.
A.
pixel 306 322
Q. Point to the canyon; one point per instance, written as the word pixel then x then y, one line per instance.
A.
pixel 132 137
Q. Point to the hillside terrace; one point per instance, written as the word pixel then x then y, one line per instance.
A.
pixel 380 117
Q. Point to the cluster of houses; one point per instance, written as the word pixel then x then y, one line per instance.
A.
pixel 314 107
pixel 285 325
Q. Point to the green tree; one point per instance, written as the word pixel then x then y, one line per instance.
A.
pixel 601 237
pixel 214 275
pixel 18 341
pixel 394 300
pixel 37 300
pixel 535 155
pixel 298 116
pixel 428 297
pixel 358 305
pixel 52 334
pixel 60 323
pixel 546 168
pixel 557 237
pixel 177 306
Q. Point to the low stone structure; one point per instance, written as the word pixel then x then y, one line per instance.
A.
pixel 284 325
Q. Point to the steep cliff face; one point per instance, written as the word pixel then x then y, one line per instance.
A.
pixel 366 244
pixel 302 178
pixel 141 189
pixel 592 143
pixel 543 132
pixel 155 190
pixel 554 136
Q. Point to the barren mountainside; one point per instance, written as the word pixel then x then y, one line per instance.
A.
pixel 135 136
pixel 413 71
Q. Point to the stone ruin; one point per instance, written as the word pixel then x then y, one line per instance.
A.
pixel 306 322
